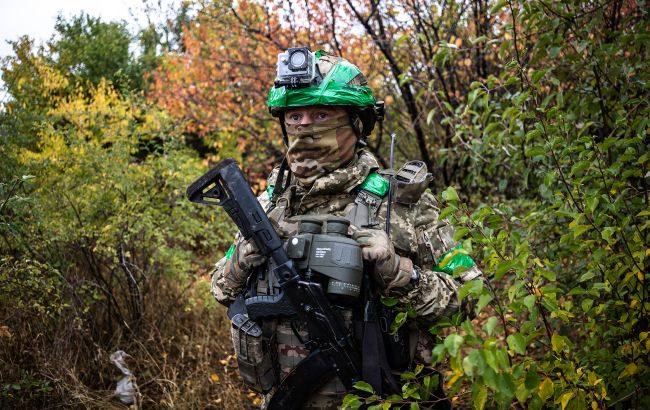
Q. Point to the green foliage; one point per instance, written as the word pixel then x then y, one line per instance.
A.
pixel 546 144
pixel 94 50
pixel 94 225
pixel 563 130
pixel 555 211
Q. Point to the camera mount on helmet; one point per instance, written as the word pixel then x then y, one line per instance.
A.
pixel 297 68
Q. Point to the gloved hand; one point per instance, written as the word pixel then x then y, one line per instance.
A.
pixel 378 250
pixel 244 259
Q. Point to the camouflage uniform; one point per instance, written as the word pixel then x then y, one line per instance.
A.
pixel 416 232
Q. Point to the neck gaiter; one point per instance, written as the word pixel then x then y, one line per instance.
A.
pixel 317 149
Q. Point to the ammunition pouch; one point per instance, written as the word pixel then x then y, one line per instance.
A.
pixel 412 180
pixel 256 352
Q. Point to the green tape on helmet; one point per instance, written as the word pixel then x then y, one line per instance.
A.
pixel 337 88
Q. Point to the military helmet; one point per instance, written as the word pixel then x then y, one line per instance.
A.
pixel 337 83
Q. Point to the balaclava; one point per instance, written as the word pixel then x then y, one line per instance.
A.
pixel 319 148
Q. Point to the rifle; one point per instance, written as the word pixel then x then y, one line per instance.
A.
pixel 332 351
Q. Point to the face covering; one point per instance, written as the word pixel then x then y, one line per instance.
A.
pixel 317 149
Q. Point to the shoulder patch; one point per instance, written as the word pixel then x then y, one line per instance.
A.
pixel 375 184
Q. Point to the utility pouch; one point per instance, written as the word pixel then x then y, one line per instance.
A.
pixel 256 353
pixel 397 345
pixel 412 180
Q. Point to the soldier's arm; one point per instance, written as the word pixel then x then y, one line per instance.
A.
pixel 435 293
pixel 226 286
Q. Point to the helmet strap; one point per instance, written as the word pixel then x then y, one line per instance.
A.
pixel 285 138
pixel 361 138
pixel 281 184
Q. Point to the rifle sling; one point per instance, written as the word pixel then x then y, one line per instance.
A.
pixel 307 377
pixel 374 363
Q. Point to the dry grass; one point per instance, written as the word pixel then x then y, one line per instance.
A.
pixel 181 357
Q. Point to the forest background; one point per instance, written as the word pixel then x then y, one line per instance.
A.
pixel 533 117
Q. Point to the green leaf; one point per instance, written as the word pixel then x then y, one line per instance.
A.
pixel 460 233
pixel 363 386
pixel 469 364
pixel 554 51
pixel 532 134
pixel 450 194
pixel 586 276
pixel 545 389
pixel 579 230
pixel 521 392
pixel 479 394
pixel 430 116
pixel 579 167
pixel 453 343
pixel 489 326
pixel 537 75
pixel 502 268
pixel 351 401
pixel 557 343
pixel 532 380
pixel 473 287
pixel 529 302
pixel 535 150
pixel 592 203
pixel 505 384
pixel 389 301
pixel 517 343
pixel 483 301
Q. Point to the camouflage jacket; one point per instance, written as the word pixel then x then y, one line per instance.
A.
pixel 416 231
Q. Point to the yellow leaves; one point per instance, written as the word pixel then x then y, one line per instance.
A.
pixel 255 398
pixel 458 373
pixel 629 371
pixel 565 399
pixel 228 360
pixel 545 389
pixel 593 379
pixel 214 378
pixel 52 79
pixel 559 343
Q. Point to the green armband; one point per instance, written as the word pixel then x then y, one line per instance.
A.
pixel 375 184
pixel 453 259
pixel 230 251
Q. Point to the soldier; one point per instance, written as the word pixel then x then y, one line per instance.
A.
pixel 325 116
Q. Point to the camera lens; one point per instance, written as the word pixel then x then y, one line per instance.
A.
pixel 298 60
